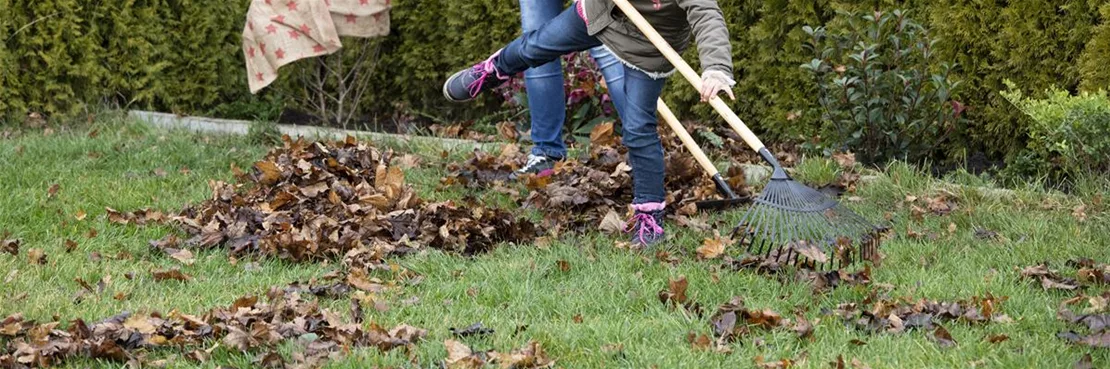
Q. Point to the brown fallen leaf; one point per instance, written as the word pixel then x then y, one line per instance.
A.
pixel 563 265
pixel 810 251
pixel 996 338
pixel 171 274
pixel 53 190
pixel 1080 213
pixel 70 245
pixel 846 160
pixel 36 256
pixel 10 246
pixel 698 342
pixel 612 223
pixel 713 247
pixel 802 327
pixel 182 255
pixel 459 356
pixel 675 294
pixel 942 337
pixel 507 130
pixel 80 215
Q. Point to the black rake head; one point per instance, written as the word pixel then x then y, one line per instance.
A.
pixel 792 223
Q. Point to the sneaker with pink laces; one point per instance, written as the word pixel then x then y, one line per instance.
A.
pixel 646 225
pixel 466 84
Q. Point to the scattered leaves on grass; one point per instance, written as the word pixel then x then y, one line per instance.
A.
pixel 1049 279
pixel 877 314
pixel 80 215
pixel 733 321
pixel 563 265
pixel 53 190
pixel 461 356
pixel 1091 272
pixel 1095 320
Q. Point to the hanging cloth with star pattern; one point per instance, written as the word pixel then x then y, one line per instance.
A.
pixel 279 32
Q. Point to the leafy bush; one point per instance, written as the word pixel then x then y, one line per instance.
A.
pixel 1069 135
pixel 876 91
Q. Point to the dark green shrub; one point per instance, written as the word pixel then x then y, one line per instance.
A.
pixel 878 91
pixel 1094 64
pixel 1069 135
pixel 1035 43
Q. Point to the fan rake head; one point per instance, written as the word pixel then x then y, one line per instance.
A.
pixel 792 223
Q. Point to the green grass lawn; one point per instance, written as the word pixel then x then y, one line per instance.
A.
pixel 603 312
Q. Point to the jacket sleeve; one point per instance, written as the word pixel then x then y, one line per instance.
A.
pixel 710 33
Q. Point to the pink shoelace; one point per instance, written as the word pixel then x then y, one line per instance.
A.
pixel 647 223
pixel 483 70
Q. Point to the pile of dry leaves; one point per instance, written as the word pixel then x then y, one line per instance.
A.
pixel 312 200
pixel 594 191
pixel 247 325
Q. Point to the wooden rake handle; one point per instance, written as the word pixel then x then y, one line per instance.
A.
pixel 691 76
pixel 680 131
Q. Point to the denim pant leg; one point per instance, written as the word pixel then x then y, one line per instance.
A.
pixel 564 34
pixel 613 71
pixel 641 135
pixel 544 85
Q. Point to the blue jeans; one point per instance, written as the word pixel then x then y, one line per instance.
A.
pixel 544 83
pixel 566 33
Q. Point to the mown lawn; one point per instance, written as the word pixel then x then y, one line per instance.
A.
pixel 602 312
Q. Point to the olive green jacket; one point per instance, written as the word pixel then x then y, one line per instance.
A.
pixel 675 20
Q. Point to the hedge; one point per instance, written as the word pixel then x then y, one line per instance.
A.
pixel 183 56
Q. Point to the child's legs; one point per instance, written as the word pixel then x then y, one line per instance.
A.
pixel 544 84
pixel 645 151
pixel 564 34
pixel 613 71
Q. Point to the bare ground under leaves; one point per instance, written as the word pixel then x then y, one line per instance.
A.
pixel 583 301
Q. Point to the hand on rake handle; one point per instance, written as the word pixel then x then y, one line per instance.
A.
pixel 713 82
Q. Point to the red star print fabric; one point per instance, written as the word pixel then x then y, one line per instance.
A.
pixel 279 32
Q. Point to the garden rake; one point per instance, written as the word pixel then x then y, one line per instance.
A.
pixel 730 199
pixel 789 222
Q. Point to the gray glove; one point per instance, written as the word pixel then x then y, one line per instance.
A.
pixel 713 82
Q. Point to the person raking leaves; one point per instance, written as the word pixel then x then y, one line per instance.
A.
pixel 589 23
